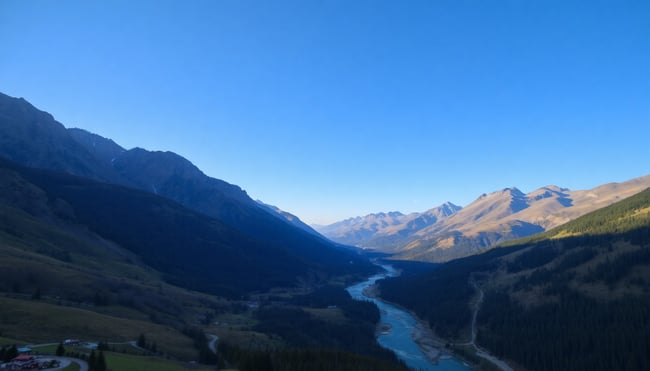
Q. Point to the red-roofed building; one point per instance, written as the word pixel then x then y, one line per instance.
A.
pixel 23 358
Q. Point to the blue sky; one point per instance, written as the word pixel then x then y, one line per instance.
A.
pixel 332 109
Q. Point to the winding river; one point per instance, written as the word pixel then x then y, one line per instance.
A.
pixel 399 337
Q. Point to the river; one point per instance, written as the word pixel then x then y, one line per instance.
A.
pixel 399 338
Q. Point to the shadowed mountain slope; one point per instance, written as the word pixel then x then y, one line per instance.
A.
pixel 191 250
pixel 104 149
pixel 289 218
pixel 33 138
pixel 92 260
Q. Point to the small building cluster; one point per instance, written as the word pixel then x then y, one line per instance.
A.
pixel 29 362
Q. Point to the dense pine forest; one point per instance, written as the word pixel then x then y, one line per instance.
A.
pixel 306 359
pixel 574 298
pixel 345 342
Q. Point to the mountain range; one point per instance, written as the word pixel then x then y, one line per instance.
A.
pixel 575 297
pixel 448 231
pixel 34 138
pixel 102 242
pixel 99 242
pixel 87 171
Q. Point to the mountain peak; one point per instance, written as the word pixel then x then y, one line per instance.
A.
pixel 34 138
pixel 450 207
pixel 550 191
pixel 444 210
pixel 505 193
pixel 554 188
pixel 378 215
pixel 513 191
pixel 105 149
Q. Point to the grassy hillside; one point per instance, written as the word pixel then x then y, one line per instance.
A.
pixel 127 362
pixel 98 262
pixel 59 280
pixel 188 248
pixel 41 322
pixel 576 297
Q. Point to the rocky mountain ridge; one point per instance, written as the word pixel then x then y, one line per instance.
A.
pixel 449 231
pixel 289 218
pixel 33 138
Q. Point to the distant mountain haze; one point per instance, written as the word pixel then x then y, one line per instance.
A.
pixel 289 218
pixel 449 231
pixel 385 230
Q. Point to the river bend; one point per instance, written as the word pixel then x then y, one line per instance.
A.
pixel 399 337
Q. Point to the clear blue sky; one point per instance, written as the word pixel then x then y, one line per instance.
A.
pixel 332 109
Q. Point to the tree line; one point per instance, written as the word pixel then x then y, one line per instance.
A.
pixel 564 327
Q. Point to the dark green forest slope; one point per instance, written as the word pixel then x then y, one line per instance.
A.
pixel 190 249
pixel 573 298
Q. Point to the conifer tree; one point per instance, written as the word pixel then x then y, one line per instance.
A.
pixel 92 361
pixel 100 363
pixel 11 353
pixel 142 341
pixel 60 350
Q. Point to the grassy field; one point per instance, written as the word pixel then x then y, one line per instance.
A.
pixel 234 321
pixel 127 362
pixel 37 322
pixel 72 367
pixel 68 268
pixel 8 341
pixel 120 361
pixel 47 349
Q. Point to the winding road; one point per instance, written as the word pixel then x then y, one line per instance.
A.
pixel 83 365
pixel 213 343
pixel 65 362
pixel 477 306
pixel 480 352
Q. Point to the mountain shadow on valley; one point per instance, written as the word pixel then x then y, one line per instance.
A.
pixel 189 248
